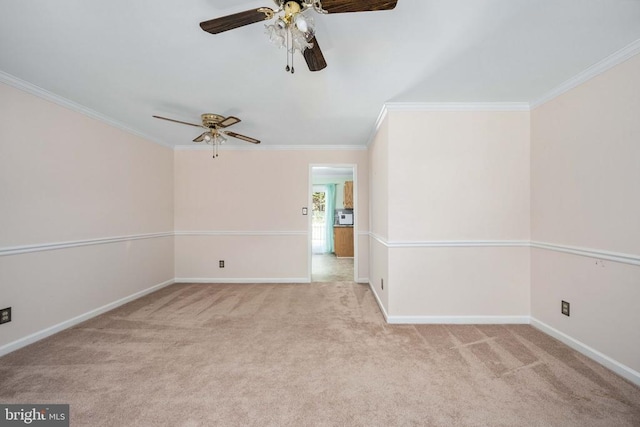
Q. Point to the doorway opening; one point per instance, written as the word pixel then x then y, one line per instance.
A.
pixel 332 249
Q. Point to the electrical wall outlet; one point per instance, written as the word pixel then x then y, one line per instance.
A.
pixel 221 263
pixel 565 308
pixel 5 315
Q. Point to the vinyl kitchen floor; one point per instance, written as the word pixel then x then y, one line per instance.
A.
pixel 329 268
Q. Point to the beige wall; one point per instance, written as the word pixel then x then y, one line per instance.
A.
pixel 585 185
pixel 379 213
pixel 379 181
pixel 67 178
pixel 245 208
pixel 459 176
pixel 458 215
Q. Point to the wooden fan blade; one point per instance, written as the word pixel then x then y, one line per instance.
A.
pixel 226 23
pixel 314 57
pixel 200 138
pixel 178 121
pixel 343 6
pixel 242 137
pixel 231 120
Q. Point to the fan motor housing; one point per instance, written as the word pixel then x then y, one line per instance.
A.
pixel 211 120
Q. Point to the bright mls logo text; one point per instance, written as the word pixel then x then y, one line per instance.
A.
pixel 39 415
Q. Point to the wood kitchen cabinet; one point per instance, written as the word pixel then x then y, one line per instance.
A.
pixel 348 195
pixel 343 241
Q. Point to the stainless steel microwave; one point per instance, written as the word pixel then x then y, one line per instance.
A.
pixel 345 219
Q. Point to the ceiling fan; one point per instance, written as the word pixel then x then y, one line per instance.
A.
pixel 294 27
pixel 214 136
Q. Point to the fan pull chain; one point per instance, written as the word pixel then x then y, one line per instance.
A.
pixel 214 146
pixel 293 70
pixel 287 52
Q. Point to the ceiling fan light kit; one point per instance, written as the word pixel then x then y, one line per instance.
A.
pixel 293 31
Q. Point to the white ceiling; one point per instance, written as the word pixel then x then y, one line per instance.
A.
pixel 128 60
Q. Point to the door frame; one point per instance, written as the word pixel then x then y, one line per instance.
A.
pixel 356 209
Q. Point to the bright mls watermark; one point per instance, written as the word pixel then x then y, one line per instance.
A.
pixel 34 415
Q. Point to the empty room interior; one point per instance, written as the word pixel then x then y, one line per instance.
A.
pixel 337 212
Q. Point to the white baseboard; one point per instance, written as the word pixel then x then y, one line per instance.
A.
pixel 384 312
pixel 443 320
pixel 30 339
pixel 235 280
pixel 459 320
pixel 617 367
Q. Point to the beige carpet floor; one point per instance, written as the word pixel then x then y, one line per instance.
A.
pixel 307 355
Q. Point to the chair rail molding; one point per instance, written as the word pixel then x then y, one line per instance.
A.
pixel 40 247
pixel 556 247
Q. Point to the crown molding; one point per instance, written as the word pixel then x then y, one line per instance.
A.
pixel 376 128
pixel 457 106
pixel 193 147
pixel 32 89
pixel 444 107
pixel 595 70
